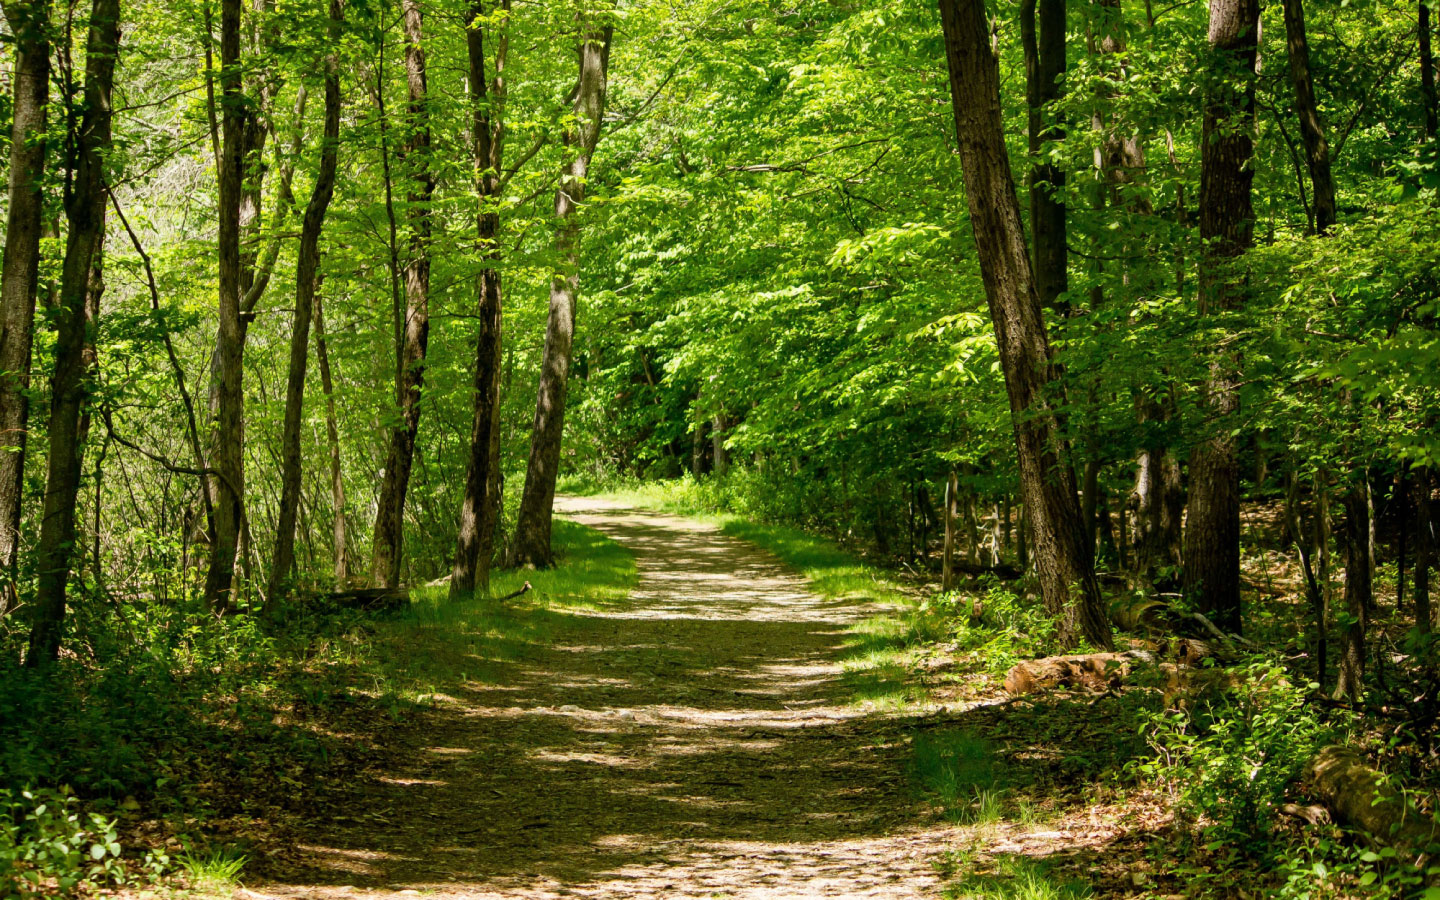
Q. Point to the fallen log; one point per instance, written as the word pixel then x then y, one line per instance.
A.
pixel 1091 671
pixel 1361 798
pixel 368 599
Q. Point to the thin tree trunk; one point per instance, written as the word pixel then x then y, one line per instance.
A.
pixel 85 211
pixel 1212 538
pixel 228 485
pixel 480 507
pixel 1043 39
pixel 532 531
pixel 306 276
pixel 20 275
pixel 1312 129
pixel 947 566
pixel 1427 73
pixel 387 546
pixel 1065 564
pixel 1424 547
pixel 332 435
pixel 1358 590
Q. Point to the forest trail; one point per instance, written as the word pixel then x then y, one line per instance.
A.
pixel 697 741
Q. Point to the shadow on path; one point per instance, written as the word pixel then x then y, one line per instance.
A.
pixel 695 742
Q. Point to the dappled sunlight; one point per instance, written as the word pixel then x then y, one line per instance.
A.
pixel 699 737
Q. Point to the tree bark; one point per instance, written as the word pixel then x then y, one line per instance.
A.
pixel 1159 502
pixel 532 531
pixel 20 275
pixel 227 458
pixel 306 277
pixel 1212 538
pixel 85 211
pixel 1358 593
pixel 1427 73
pixel 947 564
pixel 1424 547
pixel 1065 564
pixel 332 435
pixel 1043 38
pixel 480 507
pixel 1312 128
pixel 387 545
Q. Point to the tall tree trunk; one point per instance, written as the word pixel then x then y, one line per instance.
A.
pixel 1427 73
pixel 85 212
pixel 1212 538
pixel 480 507
pixel 1065 564
pixel 389 535
pixel 227 458
pixel 29 22
pixel 1312 128
pixel 1358 591
pixel 306 277
pixel 332 435
pixel 532 531
pixel 1043 38
pixel 947 564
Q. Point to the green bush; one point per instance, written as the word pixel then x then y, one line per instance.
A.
pixel 50 848
pixel 1231 760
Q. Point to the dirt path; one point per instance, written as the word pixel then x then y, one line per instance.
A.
pixel 697 742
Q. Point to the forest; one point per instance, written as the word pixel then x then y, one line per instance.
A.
pixel 733 448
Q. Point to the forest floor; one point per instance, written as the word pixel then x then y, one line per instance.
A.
pixel 703 738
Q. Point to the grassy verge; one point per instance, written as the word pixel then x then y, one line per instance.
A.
pixel 204 738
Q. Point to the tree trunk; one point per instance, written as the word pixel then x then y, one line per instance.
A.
pixel 85 211
pixel 1312 129
pixel 1044 46
pixel 332 434
pixel 1358 591
pixel 1067 577
pixel 947 565
pixel 1212 539
pixel 1424 547
pixel 480 508
pixel 387 545
pixel 532 531
pixel 20 276
pixel 1159 502
pixel 1427 74
pixel 720 455
pixel 227 458
pixel 306 277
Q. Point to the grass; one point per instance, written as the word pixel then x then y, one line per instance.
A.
pixel 436 645
pixel 963 773
pixel 1016 878
pixel 215 871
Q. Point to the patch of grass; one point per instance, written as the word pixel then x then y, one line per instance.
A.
pixel 962 771
pixel 1017 879
pixel 436 645
pixel 214 871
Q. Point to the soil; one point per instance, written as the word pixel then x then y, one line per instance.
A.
pixel 696 741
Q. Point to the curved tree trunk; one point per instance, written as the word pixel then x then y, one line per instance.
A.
pixel 1067 577
pixel 1312 129
pixel 20 276
pixel 532 531
pixel 306 278
pixel 1212 536
pixel 85 212
pixel 480 507
pixel 387 545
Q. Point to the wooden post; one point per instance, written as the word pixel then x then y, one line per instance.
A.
pixel 947 578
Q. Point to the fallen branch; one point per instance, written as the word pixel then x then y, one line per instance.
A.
pixel 1361 798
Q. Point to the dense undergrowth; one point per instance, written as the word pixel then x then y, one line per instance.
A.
pixel 1206 786
pixel 198 737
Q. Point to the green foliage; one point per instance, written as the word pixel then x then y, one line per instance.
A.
pixel 1017 878
pixel 1231 762
pixel 50 847
pixel 1011 626
pixel 961 771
